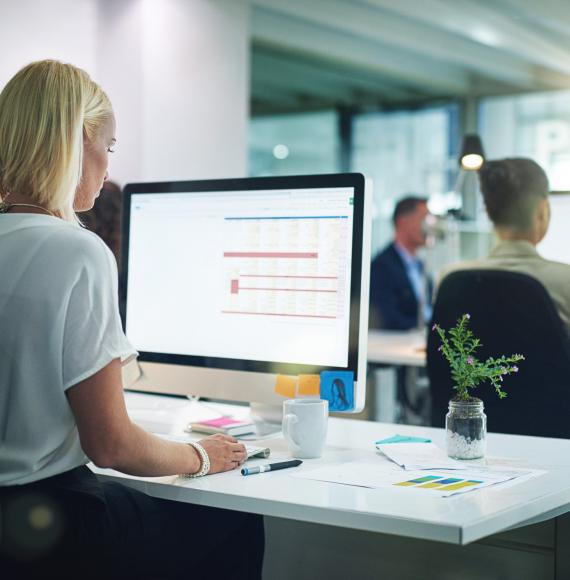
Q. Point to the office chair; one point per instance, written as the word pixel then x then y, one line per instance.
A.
pixel 510 313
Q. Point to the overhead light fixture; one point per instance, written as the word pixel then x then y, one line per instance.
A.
pixel 281 151
pixel 472 156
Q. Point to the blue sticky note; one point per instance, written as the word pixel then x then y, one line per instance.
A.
pixel 337 387
pixel 403 439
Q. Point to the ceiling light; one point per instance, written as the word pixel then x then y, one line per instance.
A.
pixel 472 156
pixel 281 151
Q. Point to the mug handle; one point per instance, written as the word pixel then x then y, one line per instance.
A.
pixel 289 421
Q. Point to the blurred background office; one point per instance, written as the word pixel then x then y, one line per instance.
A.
pixel 211 89
pixel 391 88
pixel 263 87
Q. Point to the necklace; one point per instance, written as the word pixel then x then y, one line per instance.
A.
pixel 6 207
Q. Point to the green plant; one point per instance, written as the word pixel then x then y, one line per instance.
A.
pixel 466 370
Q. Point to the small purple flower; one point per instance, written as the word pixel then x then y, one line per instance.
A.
pixel 469 360
pixel 434 327
pixel 515 369
pixel 468 316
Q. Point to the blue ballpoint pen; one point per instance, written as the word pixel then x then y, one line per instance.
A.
pixel 270 467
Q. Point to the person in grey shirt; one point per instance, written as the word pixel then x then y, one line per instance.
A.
pixel 515 192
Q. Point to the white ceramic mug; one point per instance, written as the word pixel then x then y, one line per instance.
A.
pixel 305 426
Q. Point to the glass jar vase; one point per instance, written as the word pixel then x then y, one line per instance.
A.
pixel 466 429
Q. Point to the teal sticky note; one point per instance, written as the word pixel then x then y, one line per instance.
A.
pixel 337 387
pixel 403 439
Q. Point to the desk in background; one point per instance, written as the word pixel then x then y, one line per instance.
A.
pixel 393 347
pixel 387 350
pixel 325 530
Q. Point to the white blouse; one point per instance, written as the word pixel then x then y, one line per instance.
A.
pixel 59 324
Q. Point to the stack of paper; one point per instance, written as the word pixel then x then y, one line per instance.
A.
pixel 225 425
pixel 414 464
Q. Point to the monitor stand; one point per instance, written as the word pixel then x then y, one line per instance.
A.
pixel 267 419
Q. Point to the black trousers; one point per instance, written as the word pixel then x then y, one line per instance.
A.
pixel 75 526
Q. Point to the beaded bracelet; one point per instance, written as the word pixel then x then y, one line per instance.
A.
pixel 205 460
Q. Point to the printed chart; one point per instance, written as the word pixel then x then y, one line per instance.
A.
pixel 286 266
pixel 441 483
pixel 434 483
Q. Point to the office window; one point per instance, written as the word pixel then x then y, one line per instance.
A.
pixel 405 152
pixel 536 126
pixel 294 144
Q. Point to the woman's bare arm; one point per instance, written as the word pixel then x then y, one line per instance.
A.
pixel 110 439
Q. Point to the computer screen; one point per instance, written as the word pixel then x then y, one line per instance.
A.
pixel 229 283
pixel 556 243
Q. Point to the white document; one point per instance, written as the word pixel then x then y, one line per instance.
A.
pixel 434 483
pixel 357 473
pixel 412 456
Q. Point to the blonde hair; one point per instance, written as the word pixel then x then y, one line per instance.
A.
pixel 45 111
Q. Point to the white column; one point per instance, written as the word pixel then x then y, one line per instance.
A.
pixel 120 73
pixel 34 30
pixel 177 72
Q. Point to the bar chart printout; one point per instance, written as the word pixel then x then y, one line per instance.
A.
pixel 440 483
pixel 434 483
pixel 286 266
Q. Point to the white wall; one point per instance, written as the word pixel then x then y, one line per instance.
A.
pixel 119 71
pixel 37 29
pixel 195 126
pixel 177 72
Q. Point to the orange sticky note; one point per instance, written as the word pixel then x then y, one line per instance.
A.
pixel 285 385
pixel 309 385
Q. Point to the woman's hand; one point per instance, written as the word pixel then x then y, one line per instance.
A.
pixel 225 452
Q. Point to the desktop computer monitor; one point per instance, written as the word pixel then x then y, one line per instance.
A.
pixel 230 284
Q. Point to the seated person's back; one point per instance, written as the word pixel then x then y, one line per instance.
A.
pixel 398 296
pixel 515 192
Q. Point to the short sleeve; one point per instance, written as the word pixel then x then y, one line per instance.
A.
pixel 93 334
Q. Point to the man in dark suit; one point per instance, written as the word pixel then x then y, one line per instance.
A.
pixel 399 295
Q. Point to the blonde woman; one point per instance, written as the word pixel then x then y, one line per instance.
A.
pixel 61 349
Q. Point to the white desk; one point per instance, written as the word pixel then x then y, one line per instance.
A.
pixel 442 526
